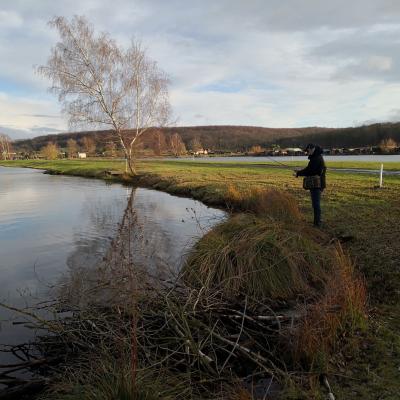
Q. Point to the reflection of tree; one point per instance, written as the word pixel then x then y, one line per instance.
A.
pixel 151 233
pixel 103 216
pixel 96 248
pixel 156 250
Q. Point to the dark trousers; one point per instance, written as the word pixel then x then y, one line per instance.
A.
pixel 316 204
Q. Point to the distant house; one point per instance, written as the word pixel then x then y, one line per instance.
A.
pixel 200 152
pixel 294 151
pixel 81 155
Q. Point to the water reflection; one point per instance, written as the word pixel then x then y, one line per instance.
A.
pixel 56 228
pixel 154 235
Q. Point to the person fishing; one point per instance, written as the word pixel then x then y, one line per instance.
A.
pixel 314 178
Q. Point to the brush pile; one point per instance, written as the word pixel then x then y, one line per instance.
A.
pixel 180 331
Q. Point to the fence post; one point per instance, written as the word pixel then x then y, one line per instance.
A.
pixel 381 177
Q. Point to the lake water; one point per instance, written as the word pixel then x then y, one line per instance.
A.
pixel 373 158
pixel 50 225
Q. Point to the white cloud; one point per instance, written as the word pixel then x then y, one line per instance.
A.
pixel 26 117
pixel 380 63
pixel 10 19
pixel 259 62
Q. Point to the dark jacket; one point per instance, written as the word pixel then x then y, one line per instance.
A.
pixel 316 166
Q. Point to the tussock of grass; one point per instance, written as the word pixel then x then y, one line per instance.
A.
pixel 261 258
pixel 270 202
pixel 111 379
pixel 269 260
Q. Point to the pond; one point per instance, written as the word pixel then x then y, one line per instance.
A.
pixel 382 158
pixel 50 225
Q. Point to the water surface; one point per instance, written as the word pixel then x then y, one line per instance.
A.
pixel 344 158
pixel 51 225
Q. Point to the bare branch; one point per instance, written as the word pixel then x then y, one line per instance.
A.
pixel 99 83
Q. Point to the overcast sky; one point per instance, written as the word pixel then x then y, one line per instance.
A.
pixel 271 63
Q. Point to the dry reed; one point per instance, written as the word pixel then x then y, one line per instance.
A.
pixel 273 203
pixel 340 309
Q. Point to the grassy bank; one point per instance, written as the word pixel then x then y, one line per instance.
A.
pixel 364 217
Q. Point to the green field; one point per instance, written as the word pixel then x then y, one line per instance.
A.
pixel 365 217
pixel 372 165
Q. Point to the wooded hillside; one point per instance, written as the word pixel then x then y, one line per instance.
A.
pixel 234 138
pixel 363 136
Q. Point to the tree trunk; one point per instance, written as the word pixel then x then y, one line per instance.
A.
pixel 131 162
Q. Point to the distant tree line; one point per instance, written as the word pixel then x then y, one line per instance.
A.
pixel 182 140
pixel 362 136
pixel 163 140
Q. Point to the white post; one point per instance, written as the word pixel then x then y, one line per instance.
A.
pixel 381 177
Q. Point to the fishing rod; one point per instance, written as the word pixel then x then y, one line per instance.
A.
pixel 280 163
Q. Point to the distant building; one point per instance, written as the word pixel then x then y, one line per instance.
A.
pixel 200 152
pixel 294 151
pixel 81 155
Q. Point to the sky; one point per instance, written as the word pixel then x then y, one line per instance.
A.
pixel 270 63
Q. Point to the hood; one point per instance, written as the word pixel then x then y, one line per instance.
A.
pixel 317 152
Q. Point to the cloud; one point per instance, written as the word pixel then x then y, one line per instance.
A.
pixel 10 19
pixel 45 130
pixel 19 116
pixel 370 54
pixel 260 62
pixel 41 116
pixel 15 133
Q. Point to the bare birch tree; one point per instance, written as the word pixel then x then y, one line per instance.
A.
pixel 176 144
pixel 159 142
pixel 88 145
pixel 5 146
pixel 72 148
pixel 195 145
pixel 101 84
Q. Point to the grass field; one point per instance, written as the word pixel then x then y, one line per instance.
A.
pixel 373 165
pixel 366 218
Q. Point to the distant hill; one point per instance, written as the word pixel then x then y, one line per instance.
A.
pixel 238 138
pixel 362 136
pixel 223 138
